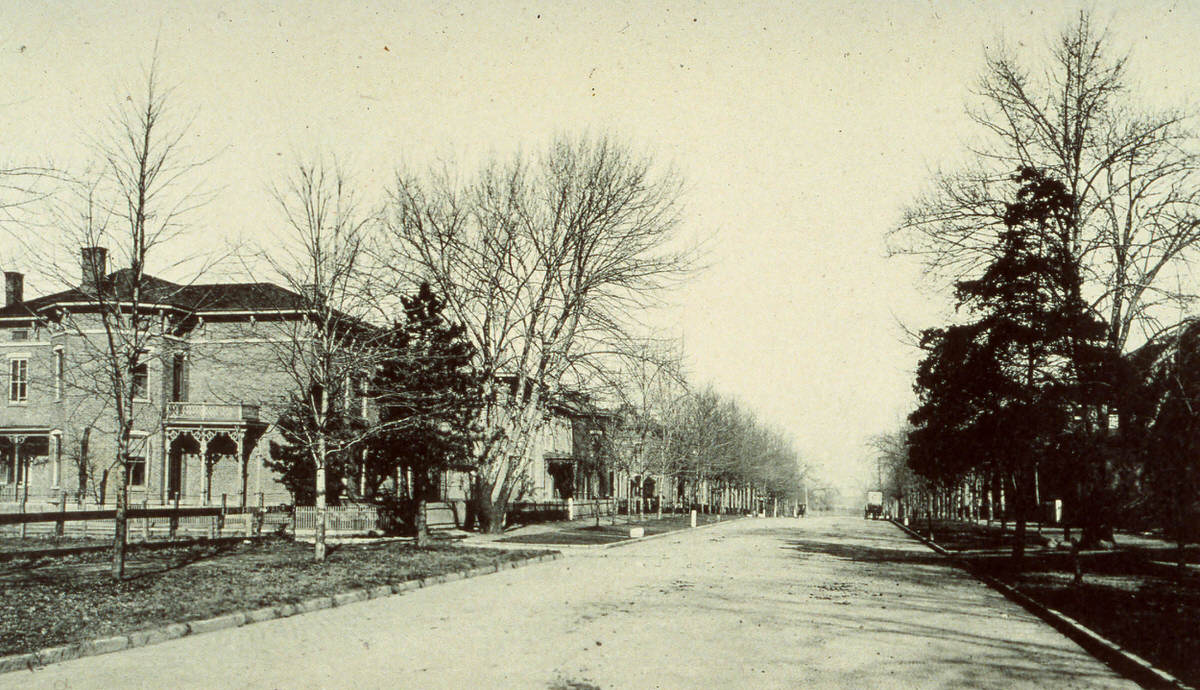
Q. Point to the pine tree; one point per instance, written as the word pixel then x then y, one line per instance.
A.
pixel 1003 392
pixel 429 396
pixel 292 456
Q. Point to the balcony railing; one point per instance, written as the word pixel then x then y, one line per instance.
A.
pixel 212 412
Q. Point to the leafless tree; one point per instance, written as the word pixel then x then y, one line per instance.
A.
pixel 1132 173
pixel 647 386
pixel 128 207
pixel 546 264
pixel 327 353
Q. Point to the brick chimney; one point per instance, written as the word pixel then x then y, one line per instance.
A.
pixel 14 288
pixel 93 266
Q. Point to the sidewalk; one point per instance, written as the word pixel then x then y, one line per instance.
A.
pixel 583 532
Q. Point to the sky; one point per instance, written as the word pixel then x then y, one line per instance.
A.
pixel 801 130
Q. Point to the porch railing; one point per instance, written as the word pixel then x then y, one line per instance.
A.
pixel 213 412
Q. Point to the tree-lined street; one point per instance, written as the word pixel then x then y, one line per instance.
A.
pixel 819 602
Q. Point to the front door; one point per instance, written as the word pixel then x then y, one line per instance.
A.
pixel 175 474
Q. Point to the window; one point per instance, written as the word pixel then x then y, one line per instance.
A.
pixel 59 369
pixel 141 382
pixel 20 335
pixel 18 380
pixel 177 378
pixel 136 470
pixel 56 450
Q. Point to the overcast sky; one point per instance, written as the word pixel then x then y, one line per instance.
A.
pixel 802 130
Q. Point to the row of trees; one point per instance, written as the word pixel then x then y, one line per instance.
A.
pixel 438 326
pixel 1066 239
pixel 705 445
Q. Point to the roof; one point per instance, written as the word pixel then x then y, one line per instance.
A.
pixel 192 298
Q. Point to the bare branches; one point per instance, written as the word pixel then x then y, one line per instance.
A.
pixel 545 263
pixel 1133 175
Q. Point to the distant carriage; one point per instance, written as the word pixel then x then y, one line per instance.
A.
pixel 874 509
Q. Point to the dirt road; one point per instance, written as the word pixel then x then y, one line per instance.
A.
pixel 819 602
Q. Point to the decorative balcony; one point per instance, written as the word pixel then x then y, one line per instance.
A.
pixel 220 413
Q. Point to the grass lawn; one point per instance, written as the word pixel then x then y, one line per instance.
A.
pixel 1146 609
pixel 584 532
pixel 60 600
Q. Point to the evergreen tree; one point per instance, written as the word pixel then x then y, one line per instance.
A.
pixel 429 396
pixel 1003 392
pixel 292 458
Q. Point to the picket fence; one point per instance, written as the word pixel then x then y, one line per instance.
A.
pixel 338 519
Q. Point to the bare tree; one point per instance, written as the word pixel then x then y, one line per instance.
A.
pixel 131 206
pixel 545 264
pixel 1132 174
pixel 326 352
pixel 643 384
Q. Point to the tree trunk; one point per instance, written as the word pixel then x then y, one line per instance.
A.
pixel 417 519
pixel 488 511
pixel 420 528
pixel 120 522
pixel 319 536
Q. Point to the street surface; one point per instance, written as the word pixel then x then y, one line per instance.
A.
pixel 827 602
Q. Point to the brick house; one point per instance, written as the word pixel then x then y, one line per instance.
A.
pixel 210 386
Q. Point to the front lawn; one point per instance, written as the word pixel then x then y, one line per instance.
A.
pixel 60 600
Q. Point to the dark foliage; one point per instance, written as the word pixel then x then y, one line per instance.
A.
pixel 293 459
pixel 1001 395
pixel 429 394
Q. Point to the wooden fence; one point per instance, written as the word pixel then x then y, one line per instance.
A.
pixel 142 521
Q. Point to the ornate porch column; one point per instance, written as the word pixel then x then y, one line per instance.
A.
pixel 203 436
pixel 238 436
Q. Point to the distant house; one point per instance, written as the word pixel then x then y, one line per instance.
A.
pixel 207 393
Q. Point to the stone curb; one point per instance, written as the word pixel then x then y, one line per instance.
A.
pixel 1124 662
pixel 684 530
pixel 78 650
pixel 622 542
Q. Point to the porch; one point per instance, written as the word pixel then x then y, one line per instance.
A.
pixel 30 464
pixel 205 453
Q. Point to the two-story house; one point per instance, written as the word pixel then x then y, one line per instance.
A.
pixel 207 389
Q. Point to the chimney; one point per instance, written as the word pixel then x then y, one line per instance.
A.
pixel 94 266
pixel 14 288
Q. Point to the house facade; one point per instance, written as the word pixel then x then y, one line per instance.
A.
pixel 207 389
pixel 212 379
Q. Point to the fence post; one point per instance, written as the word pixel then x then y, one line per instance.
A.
pixel 145 523
pixel 213 527
pixel 60 526
pixel 173 521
